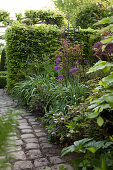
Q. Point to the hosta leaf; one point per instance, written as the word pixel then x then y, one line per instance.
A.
pixel 93 115
pixel 80 143
pixel 68 149
pixel 96 109
pixel 100 65
pixel 104 106
pixel 107 144
pixel 108 79
pixel 92 149
pixel 92 106
pixel 106 69
pixel 97 101
pixel 100 121
pixel 108 99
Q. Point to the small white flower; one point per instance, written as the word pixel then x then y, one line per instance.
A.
pixel 71 131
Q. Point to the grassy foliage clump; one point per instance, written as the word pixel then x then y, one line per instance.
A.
pixel 7 130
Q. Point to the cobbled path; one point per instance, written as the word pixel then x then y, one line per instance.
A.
pixel 33 151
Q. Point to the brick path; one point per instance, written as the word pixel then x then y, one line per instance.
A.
pixel 33 151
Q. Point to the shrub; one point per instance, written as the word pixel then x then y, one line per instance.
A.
pixel 90 14
pixel 87 37
pixel 23 44
pixel 48 17
pixel 3 79
pixel 3 58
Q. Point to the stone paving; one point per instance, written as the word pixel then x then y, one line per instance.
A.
pixel 33 151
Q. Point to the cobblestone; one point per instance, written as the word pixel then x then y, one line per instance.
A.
pixel 33 154
pixel 33 151
pixel 23 165
pixel 32 146
pixel 19 155
pixel 27 136
pixel 26 131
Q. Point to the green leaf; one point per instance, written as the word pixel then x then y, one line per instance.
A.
pixel 93 115
pixel 108 79
pixel 100 121
pixel 92 149
pixel 92 106
pixel 108 99
pixel 103 47
pixel 100 65
pixel 107 40
pixel 68 149
pixel 107 20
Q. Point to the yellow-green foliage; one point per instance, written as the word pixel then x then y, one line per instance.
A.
pixel 46 16
pixel 3 79
pixel 25 42
pixel 7 126
pixel 0 61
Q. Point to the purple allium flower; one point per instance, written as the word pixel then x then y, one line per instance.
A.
pixel 74 70
pixel 57 67
pixel 80 60
pixel 85 61
pixel 60 77
pixel 58 60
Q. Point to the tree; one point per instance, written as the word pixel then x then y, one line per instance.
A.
pixel 71 8
pixel 4 17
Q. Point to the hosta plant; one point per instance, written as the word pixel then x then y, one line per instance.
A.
pixel 101 102
pixel 96 154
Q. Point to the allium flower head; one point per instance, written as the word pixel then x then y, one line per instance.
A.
pixel 74 70
pixel 60 77
pixel 80 60
pixel 57 67
pixel 58 60
pixel 85 61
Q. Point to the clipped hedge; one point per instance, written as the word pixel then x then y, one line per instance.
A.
pixel 3 58
pixel 88 37
pixel 3 79
pixel 47 16
pixel 25 42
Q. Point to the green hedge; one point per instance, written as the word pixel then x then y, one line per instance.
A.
pixel 90 14
pixel 25 42
pixel 47 16
pixel 88 37
pixel 3 58
pixel 3 79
